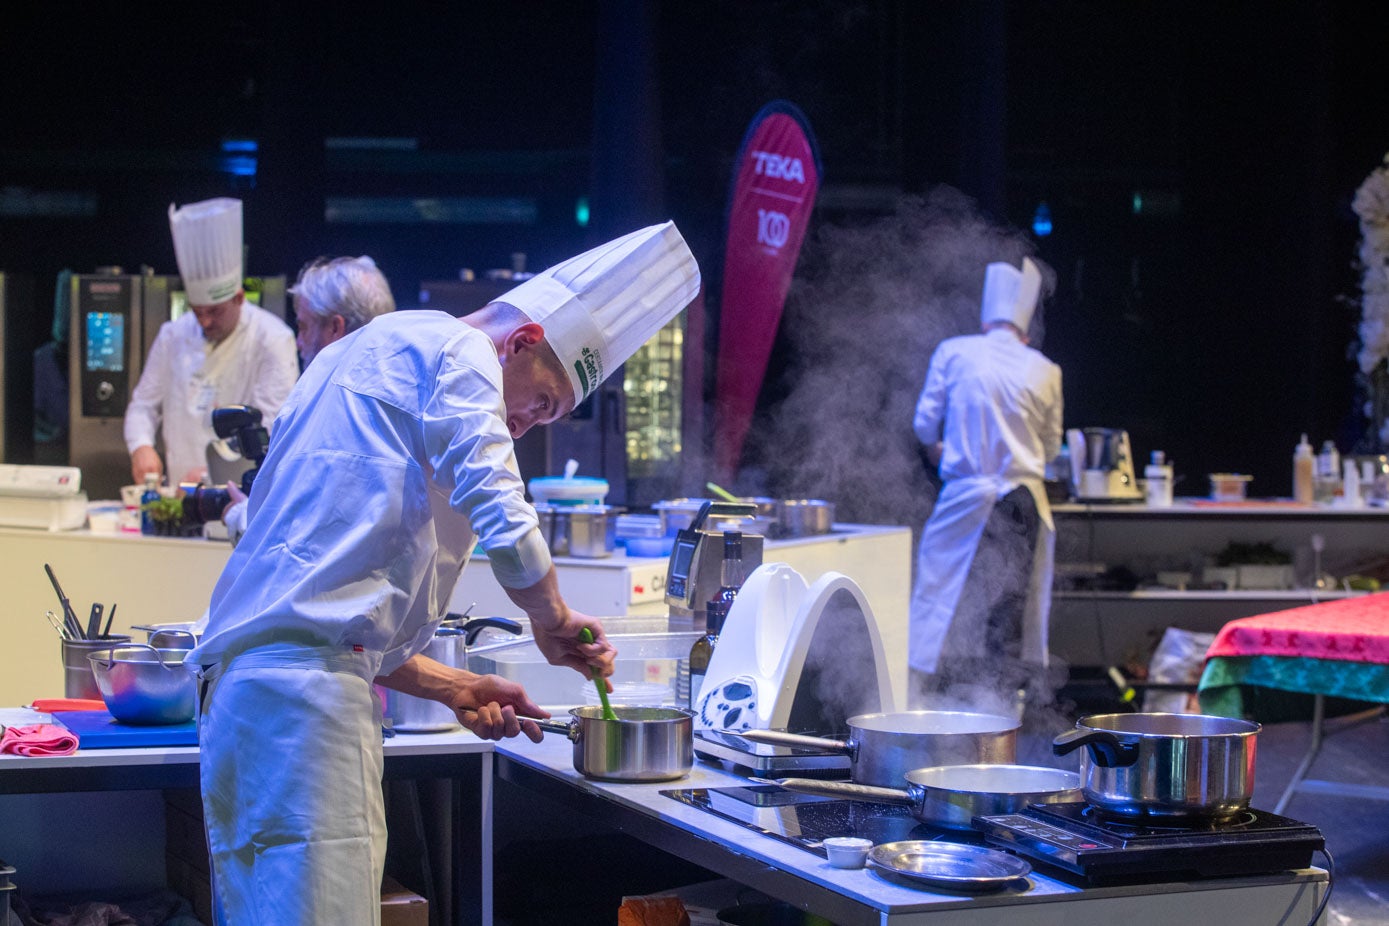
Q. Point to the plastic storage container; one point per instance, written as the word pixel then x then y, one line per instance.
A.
pixel 575 490
pixel 641 658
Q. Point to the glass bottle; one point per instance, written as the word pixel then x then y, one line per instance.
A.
pixel 731 574
pixel 703 649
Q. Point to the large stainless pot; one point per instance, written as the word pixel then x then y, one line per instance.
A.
pixel 587 531
pixel 144 685
pixel 804 517
pixel 449 645
pixel 883 748
pixel 642 744
pixel 953 795
pixel 1164 765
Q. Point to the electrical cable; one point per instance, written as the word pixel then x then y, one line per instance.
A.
pixel 1330 882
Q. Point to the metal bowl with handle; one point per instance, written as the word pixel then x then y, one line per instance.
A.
pixel 144 685
pixel 642 744
pixel 951 796
pixel 882 748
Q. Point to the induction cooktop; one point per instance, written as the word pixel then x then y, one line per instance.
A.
pixel 807 820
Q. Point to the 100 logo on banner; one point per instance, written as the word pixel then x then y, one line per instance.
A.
pixel 773 228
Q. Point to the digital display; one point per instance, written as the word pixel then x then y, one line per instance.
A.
pixel 683 557
pixel 106 341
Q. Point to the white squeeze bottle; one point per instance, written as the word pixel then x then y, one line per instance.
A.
pixel 1350 485
pixel 1304 465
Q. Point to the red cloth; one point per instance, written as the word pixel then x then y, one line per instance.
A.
pixel 1350 629
pixel 40 739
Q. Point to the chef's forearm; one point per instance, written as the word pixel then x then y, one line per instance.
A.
pixel 541 601
pixel 426 678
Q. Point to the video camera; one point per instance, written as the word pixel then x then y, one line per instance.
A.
pixel 240 427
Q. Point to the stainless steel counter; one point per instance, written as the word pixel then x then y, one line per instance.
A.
pixel 862 897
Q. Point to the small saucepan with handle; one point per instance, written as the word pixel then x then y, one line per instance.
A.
pixel 642 744
pixel 951 796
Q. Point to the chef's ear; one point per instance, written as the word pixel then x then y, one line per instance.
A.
pixel 524 336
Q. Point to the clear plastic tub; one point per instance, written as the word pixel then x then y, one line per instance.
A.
pixel 642 658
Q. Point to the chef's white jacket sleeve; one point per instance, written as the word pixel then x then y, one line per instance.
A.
pixel 276 370
pixel 474 460
pixel 1051 433
pixel 929 422
pixel 143 414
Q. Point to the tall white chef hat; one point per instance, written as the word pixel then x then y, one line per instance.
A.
pixel 1010 295
pixel 599 307
pixel 207 244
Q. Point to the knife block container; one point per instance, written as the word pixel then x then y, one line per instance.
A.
pixel 78 680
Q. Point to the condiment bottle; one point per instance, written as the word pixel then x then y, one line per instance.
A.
pixel 1304 467
pixel 151 494
pixel 1350 485
pixel 1158 475
pixel 703 649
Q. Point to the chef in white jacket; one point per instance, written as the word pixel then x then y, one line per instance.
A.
pixel 389 462
pixel 222 351
pixel 990 417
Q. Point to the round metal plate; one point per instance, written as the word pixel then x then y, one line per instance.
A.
pixel 947 864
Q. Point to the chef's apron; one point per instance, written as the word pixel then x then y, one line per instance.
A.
pixel 949 543
pixel 290 741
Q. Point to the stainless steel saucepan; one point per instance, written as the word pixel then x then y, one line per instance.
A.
pixel 642 744
pixel 951 796
pixel 883 748
pixel 1164 765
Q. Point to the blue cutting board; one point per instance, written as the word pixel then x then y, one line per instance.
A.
pixel 99 730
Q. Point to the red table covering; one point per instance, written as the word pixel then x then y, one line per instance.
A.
pixel 1349 629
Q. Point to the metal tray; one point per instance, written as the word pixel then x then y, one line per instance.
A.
pixel 948 864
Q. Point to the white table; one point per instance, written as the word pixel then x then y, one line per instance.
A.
pixel 456 766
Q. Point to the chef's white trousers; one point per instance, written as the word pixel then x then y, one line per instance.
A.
pixel 290 742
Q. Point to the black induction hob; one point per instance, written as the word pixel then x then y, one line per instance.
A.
pixel 807 820
pixel 1078 838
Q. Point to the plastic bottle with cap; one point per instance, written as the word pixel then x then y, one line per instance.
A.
pixel 1350 485
pixel 1304 469
pixel 151 494
pixel 1158 475
pixel 1328 478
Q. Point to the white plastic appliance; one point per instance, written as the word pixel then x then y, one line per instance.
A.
pixel 794 657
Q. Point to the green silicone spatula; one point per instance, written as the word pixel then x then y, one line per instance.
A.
pixel 586 636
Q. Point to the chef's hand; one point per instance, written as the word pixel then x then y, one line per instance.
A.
pixel 561 646
pixel 494 708
pixel 236 497
pixel 145 460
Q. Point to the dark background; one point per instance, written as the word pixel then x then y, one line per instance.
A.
pixel 1216 321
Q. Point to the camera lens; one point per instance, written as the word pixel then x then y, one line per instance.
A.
pixel 205 503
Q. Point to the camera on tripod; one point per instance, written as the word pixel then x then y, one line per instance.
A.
pixel 240 427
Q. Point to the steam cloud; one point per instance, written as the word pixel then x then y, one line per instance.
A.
pixel 867 309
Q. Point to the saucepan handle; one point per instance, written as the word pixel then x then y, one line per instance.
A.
pixel 1106 749
pixel 782 738
pixel 845 789
pixel 568 728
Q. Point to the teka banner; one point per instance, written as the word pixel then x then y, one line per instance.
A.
pixel 775 178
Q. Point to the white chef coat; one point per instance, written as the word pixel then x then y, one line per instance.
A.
pixel 389 460
pixel 996 405
pixel 185 377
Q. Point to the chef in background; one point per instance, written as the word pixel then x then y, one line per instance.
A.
pixel 990 418
pixel 333 297
pixel 390 460
pixel 222 351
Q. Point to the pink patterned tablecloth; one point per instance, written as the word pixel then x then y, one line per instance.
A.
pixel 1350 630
